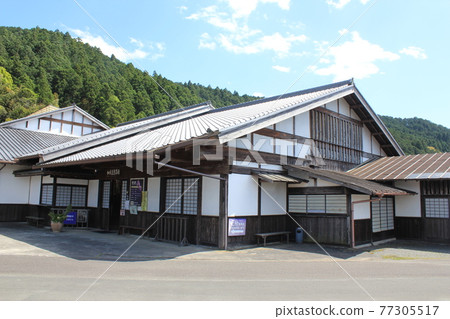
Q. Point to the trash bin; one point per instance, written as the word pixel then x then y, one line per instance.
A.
pixel 299 235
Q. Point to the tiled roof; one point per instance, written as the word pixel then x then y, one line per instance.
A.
pixel 422 166
pixel 48 108
pixel 15 142
pixel 346 180
pixel 228 123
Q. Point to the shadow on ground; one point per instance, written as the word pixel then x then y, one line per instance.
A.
pixel 23 239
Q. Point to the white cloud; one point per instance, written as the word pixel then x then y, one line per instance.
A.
pixel 338 4
pixel 258 94
pixel 281 68
pixel 355 58
pixel 236 36
pixel 152 50
pixel 415 52
pixel 206 42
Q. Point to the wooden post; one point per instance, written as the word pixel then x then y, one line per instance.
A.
pixel 258 223
pixel 223 213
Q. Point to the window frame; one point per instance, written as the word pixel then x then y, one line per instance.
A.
pixel 54 188
pixel 182 205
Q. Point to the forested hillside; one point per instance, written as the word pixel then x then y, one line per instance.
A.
pixel 40 67
pixel 417 136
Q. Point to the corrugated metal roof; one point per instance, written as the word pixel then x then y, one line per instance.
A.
pixel 346 180
pixel 228 122
pixel 16 142
pixel 120 132
pixel 268 177
pixel 410 167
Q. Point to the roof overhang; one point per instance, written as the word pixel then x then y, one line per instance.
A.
pixel 274 178
pixel 357 184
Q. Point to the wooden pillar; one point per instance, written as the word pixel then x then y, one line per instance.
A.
pixel 223 213
pixel 258 223
pixel 198 219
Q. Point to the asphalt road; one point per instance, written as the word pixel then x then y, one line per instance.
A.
pixel 36 264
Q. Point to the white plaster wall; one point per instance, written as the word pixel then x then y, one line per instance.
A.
pixel 47 180
pixel 93 193
pixel 67 129
pixel 44 126
pixel 242 195
pixel 78 117
pixel 35 190
pixel 33 125
pixel 73 181
pixel 302 150
pixel 154 189
pixel 376 148
pixel 332 106
pixel 286 126
pixel 408 206
pixel 362 210
pixel 210 196
pixel 270 205
pixel 302 125
pixel 284 147
pixel 366 137
pixel 244 143
pixel 77 130
pixel 262 143
pixel 13 190
pixel 67 115
pixel 344 108
pixel 56 128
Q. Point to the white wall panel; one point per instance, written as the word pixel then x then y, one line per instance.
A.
pixel 262 143
pixel 35 190
pixel 242 195
pixel 270 205
pixel 14 190
pixel 93 193
pixel 361 210
pixel 408 206
pixel 344 108
pixel 366 140
pixel 302 127
pixel 154 189
pixel 286 126
pixel 210 196
pixel 332 106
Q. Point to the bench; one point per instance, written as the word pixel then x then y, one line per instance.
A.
pixel 123 227
pixel 33 220
pixel 277 233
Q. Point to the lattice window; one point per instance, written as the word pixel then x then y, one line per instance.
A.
pixel 329 204
pixel 174 189
pixel 190 196
pixel 383 215
pixel 78 196
pixel 124 193
pixel 106 194
pixel 436 208
pixel 47 195
pixel 63 195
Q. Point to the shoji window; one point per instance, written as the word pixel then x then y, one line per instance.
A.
pixel 383 215
pixel 182 196
pixel 47 194
pixel 436 207
pixel 328 204
pixel 106 194
pixel 124 194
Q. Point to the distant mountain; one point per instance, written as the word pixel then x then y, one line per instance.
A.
pixel 40 67
pixel 417 136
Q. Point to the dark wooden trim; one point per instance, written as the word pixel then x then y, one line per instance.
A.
pixel 199 210
pixel 258 226
pixel 338 115
pixel 281 135
pixel 223 213
pixel 70 122
pixel 329 190
pixel 162 194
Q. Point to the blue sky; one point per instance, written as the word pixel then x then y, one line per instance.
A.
pixel 397 51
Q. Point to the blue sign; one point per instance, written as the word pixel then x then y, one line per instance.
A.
pixel 236 226
pixel 71 219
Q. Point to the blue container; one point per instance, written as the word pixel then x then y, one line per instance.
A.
pixel 299 235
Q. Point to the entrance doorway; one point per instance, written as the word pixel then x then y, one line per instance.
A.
pixel 115 205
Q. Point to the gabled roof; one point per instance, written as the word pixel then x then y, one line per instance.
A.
pixel 48 108
pixel 410 167
pixel 16 142
pixel 346 180
pixel 132 128
pixel 52 111
pixel 228 123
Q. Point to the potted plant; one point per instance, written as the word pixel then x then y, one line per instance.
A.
pixel 57 219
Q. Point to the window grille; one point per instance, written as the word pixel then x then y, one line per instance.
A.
pixel 47 195
pixel 436 208
pixel 174 189
pixel 383 215
pixel 63 195
pixel 78 196
pixel 106 194
pixel 329 204
pixel 190 196
pixel 124 194
pixel 178 204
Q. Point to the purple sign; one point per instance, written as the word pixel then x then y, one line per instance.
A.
pixel 71 219
pixel 236 226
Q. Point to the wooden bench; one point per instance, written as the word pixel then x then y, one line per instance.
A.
pixel 123 227
pixel 277 233
pixel 34 220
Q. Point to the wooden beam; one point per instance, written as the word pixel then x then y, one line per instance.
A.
pixel 223 213
pixel 51 119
